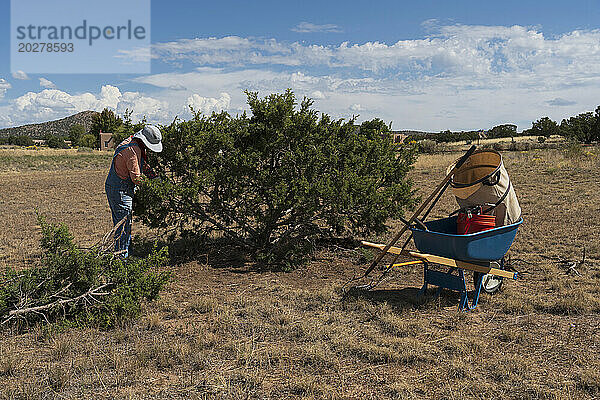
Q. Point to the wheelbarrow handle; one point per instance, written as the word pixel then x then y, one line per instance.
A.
pixel 441 187
pixel 417 222
pixel 462 160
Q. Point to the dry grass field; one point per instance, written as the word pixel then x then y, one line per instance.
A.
pixel 223 330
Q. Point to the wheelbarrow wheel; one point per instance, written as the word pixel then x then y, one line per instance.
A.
pixel 490 284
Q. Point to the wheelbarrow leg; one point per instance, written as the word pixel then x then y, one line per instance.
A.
pixel 464 297
pixel 451 281
pixel 478 283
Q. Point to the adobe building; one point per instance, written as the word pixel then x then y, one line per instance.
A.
pixel 106 141
pixel 398 136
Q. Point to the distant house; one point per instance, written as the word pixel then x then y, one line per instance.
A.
pixel 106 141
pixel 398 137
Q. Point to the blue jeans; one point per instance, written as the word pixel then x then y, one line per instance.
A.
pixel 120 200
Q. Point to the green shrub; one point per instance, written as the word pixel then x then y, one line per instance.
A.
pixel 521 146
pixel 499 146
pixel 81 287
pixel 543 127
pixel 503 131
pixel 572 149
pixel 121 127
pixel 429 146
pixel 118 137
pixel 277 181
pixel 22 140
pixel 585 127
pixel 541 139
pixel 75 133
pixel 87 140
pixel 55 142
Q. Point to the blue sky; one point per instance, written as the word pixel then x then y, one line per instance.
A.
pixel 427 65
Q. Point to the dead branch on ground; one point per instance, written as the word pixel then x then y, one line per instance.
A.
pixel 87 298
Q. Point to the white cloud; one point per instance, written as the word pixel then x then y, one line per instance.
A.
pixel 52 104
pixel 20 75
pixel 307 27
pixel 156 110
pixel 207 105
pixel 45 83
pixel 317 95
pixel 4 86
pixel 495 53
pixel 55 103
pixel 136 55
pixel 458 77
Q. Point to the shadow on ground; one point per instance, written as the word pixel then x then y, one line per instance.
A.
pixel 222 253
pixel 216 253
pixel 408 298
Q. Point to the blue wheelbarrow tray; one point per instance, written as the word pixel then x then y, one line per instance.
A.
pixel 442 240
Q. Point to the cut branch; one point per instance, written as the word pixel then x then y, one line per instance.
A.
pixel 87 296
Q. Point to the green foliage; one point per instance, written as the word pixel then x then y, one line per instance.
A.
pixel 55 142
pixel 120 127
pixel 448 136
pixel 278 180
pixel 543 127
pixel 62 289
pixel 22 140
pixel 585 127
pixel 502 131
pixel 573 150
pixel 87 140
pixel 106 121
pixel 128 128
pixel 75 133
pixel 428 146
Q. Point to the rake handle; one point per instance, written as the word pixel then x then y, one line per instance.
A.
pixel 420 209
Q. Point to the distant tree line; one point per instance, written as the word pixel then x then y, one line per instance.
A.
pixel 584 128
pixel 21 140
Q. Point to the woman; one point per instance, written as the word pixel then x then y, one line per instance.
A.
pixel 125 172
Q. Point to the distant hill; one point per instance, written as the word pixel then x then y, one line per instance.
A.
pixel 57 127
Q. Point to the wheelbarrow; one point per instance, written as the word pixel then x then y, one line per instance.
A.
pixel 483 253
pixel 438 243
